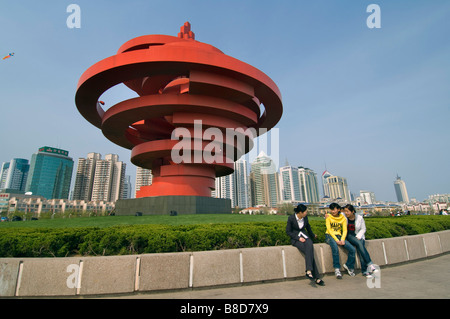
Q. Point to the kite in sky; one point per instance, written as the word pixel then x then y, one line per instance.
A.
pixel 8 56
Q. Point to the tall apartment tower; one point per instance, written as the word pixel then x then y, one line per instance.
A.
pixel 14 174
pixel 264 181
pixel 84 180
pixel 242 183
pixel 335 187
pixel 325 175
pixel 235 186
pixel 143 178
pixel 309 189
pixel 109 178
pixel 226 188
pixel 290 184
pixel 338 188
pixel 127 188
pixel 400 190
pixel 50 173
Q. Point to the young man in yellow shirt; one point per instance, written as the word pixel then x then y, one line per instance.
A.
pixel 334 236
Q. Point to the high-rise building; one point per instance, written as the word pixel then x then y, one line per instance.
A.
pixel 290 184
pixel 367 197
pixel 84 180
pixel 309 190
pixel 143 178
pixel 234 186
pixel 335 187
pixel 127 188
pixel 400 190
pixel 14 174
pixel 50 173
pixel 109 178
pixel 226 188
pixel 242 183
pixel 264 182
pixel 325 189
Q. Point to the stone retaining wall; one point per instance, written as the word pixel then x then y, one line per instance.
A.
pixel 83 276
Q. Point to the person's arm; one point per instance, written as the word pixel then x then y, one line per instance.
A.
pixel 289 231
pixel 344 229
pixel 362 231
pixel 308 228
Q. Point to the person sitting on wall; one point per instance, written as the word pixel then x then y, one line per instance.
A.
pixel 296 228
pixel 336 235
pixel 356 229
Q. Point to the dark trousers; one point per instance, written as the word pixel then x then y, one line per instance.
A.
pixel 307 248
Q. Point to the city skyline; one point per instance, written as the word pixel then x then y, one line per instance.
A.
pixel 105 180
pixel 359 102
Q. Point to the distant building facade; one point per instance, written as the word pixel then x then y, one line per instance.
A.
pixel 400 190
pixel 264 182
pixel 109 179
pixel 335 187
pixel 50 173
pixel 309 189
pixel 84 179
pixel 14 174
pixel 144 177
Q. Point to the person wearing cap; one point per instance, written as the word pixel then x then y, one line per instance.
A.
pixel 301 234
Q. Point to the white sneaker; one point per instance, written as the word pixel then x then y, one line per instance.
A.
pixel 367 275
pixel 338 274
pixel 351 272
pixel 371 268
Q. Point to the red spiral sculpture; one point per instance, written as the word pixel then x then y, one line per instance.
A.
pixel 180 82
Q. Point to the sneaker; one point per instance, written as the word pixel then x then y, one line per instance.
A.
pixel 367 275
pixel 371 269
pixel 351 272
pixel 338 274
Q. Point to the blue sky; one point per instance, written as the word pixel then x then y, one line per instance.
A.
pixel 367 103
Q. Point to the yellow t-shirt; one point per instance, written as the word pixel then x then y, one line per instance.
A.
pixel 336 226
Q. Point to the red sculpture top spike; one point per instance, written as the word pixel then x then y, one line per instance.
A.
pixel 185 32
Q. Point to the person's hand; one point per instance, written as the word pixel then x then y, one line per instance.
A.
pixel 302 239
pixel 341 242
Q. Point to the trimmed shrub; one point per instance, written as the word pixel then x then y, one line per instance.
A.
pixel 140 239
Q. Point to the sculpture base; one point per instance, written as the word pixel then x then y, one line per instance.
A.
pixel 164 205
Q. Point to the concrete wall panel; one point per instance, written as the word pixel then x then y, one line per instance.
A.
pixel 108 275
pixel 217 267
pixel 9 270
pixel 49 277
pixel 432 244
pixel 395 250
pixel 261 264
pixel 164 271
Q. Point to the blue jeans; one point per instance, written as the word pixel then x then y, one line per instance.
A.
pixel 363 254
pixel 335 251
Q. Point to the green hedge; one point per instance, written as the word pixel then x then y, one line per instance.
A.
pixel 140 239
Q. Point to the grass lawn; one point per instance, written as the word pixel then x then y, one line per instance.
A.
pixel 108 221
